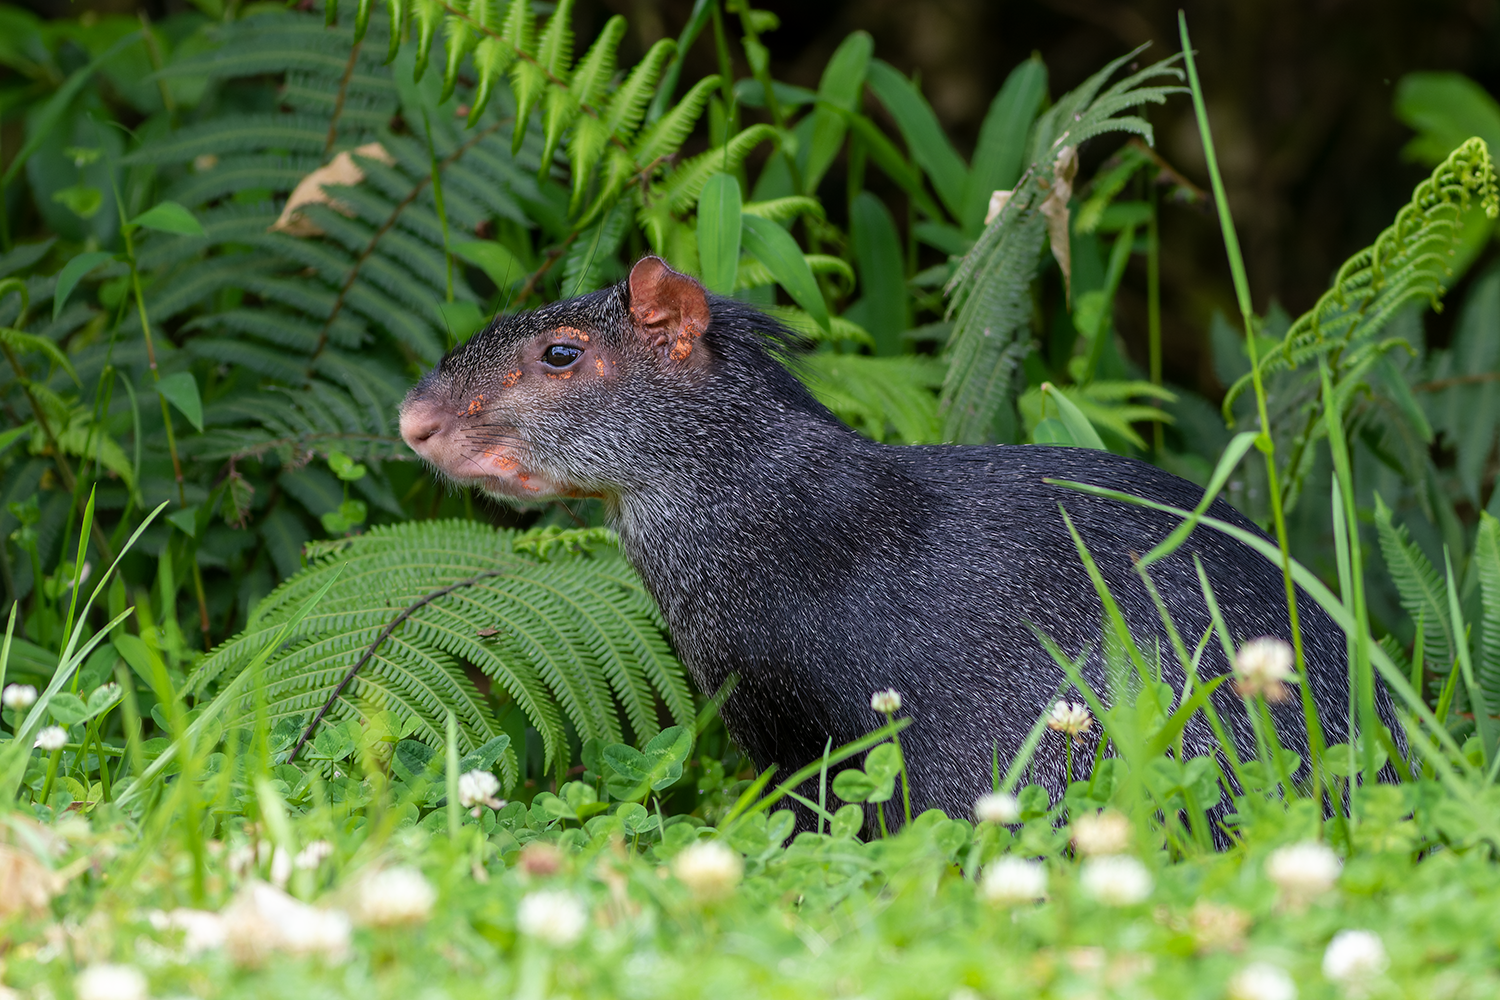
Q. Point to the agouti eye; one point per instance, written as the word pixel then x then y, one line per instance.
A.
pixel 560 355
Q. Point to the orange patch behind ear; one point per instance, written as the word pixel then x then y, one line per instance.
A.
pixel 670 309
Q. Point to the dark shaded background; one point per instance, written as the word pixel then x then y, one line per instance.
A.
pixel 1299 94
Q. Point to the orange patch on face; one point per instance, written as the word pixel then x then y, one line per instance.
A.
pixel 599 365
pixel 510 379
pixel 573 331
pixel 562 375
pixel 475 405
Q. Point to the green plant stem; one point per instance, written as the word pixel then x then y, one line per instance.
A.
pixel 437 200
pixel 1153 301
pixel 1265 443
pixel 52 762
pixel 890 717
pixel 726 72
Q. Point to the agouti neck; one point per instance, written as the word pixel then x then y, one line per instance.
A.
pixel 754 520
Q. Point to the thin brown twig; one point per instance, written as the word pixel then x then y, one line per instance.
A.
pixel 338 104
pixel 385 634
pixel 1438 385
pixel 553 256
pixel 379 234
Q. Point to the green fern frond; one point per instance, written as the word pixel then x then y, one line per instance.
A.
pixel 990 290
pixel 1422 592
pixel 888 399
pixel 572 637
pixel 1408 262
pixel 1487 561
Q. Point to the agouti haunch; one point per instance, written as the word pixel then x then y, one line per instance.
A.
pixel 819 566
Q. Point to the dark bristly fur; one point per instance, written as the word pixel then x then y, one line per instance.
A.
pixel 819 566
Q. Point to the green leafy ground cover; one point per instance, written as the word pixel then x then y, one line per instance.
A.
pixel 312 726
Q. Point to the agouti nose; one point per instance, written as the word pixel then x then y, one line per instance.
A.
pixel 421 424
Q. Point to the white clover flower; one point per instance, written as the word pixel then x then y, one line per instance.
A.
pixel 281 868
pixel 51 738
pixel 18 696
pixel 110 982
pixel 1013 880
pixel 1069 717
pixel 555 918
pixel 1262 667
pixel 312 855
pixel 1262 981
pixel 887 702
pixel 202 930
pixel 263 919
pixel 1354 957
pixel 709 869
pixel 997 807
pixel 1116 880
pixel 477 788
pixel 1106 832
pixel 396 896
pixel 1303 871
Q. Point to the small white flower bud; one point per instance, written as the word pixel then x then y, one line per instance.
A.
pixel 887 702
pixel 476 788
pixel 1354 957
pixel 1116 880
pixel 1262 667
pixel 555 918
pixel 708 868
pixel 1012 880
pixel 51 738
pixel 1262 981
pixel 396 896
pixel 18 696
pixel 1071 718
pixel 110 982
pixel 1303 871
pixel 312 855
pixel 1101 833
pixel 997 807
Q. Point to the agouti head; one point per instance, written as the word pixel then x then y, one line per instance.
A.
pixel 549 403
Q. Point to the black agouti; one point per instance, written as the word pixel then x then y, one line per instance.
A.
pixel 819 566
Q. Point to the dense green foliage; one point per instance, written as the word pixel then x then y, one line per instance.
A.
pixel 260 633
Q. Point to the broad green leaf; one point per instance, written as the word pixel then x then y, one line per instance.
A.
pixel 72 273
pixel 68 709
pixel 181 390
pixel 884 762
pixel 999 157
pixel 719 233
pixel 853 785
pixel 775 248
pixel 1079 428
pixel 185 519
pixel 839 90
pixel 925 138
pixel 494 259
pixel 103 698
pixel 882 272
pixel 1050 430
pixel 461 319
pixel 169 217
pixel 1446 109
pixel 10 437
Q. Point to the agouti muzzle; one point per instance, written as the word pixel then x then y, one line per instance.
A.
pixel 819 566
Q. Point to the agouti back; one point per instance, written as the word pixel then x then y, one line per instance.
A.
pixel 819 566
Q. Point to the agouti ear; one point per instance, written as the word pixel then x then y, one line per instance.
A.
pixel 670 310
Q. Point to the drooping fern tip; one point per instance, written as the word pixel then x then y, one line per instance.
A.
pixel 1409 260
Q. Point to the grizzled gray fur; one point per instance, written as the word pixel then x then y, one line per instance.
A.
pixel 819 566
